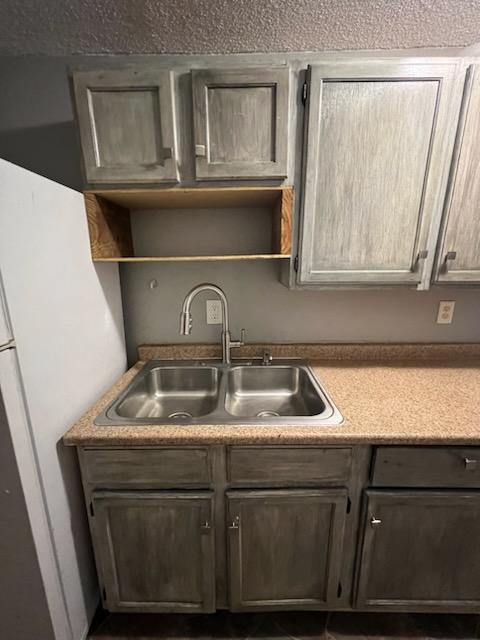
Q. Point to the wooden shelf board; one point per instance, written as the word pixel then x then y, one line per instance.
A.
pixel 265 256
pixel 198 198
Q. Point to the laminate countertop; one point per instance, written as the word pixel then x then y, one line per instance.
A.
pixel 395 394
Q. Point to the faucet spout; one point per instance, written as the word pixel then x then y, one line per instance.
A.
pixel 186 317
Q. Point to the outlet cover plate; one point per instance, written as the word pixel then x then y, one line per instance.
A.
pixel 214 312
pixel 445 311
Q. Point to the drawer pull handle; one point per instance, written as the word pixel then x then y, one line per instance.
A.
pixel 470 464
pixel 235 524
pixel 375 522
pixel 206 525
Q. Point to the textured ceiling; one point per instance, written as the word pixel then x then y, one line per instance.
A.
pixel 59 27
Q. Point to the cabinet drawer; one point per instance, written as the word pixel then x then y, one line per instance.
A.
pixel 160 467
pixel 426 467
pixel 274 466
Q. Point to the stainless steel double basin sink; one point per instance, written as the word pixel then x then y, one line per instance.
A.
pixel 166 392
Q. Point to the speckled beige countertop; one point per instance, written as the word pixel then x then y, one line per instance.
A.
pixel 406 394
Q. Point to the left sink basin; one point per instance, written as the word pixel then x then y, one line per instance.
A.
pixel 175 393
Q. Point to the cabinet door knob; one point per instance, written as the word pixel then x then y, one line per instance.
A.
pixel 470 464
pixel 206 525
pixel 235 523
pixel 375 522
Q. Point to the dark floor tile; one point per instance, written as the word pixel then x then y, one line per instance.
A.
pixel 222 626
pixel 219 626
pixel 285 626
pixel 371 626
pixel 295 625
pixel 445 626
pixel 140 626
pixel 401 626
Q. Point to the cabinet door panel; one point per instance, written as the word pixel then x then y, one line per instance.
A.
pixel 156 550
pixel 285 548
pixel 241 123
pixel 420 550
pixel 126 125
pixel 376 167
pixel 462 227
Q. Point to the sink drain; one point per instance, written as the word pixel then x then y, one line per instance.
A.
pixel 180 414
pixel 267 414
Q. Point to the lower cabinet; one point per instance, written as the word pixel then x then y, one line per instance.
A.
pixel 420 550
pixel 156 550
pixel 285 548
pixel 229 543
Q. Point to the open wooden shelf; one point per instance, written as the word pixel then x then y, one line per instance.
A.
pixel 109 218
pixel 252 256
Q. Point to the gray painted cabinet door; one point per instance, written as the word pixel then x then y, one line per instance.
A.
pixel 285 548
pixel 420 550
pixel 240 123
pixel 378 144
pixel 156 550
pixel 459 254
pixel 126 125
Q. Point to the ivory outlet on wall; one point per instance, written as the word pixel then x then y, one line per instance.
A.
pixel 445 311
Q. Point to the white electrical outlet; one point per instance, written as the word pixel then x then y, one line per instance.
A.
pixel 445 311
pixel 214 312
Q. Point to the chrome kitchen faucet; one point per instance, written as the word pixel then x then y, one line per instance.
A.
pixel 186 319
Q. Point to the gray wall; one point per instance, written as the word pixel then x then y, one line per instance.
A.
pixel 270 312
pixel 37 132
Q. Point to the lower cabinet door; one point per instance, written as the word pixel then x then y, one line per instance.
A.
pixel 421 550
pixel 285 548
pixel 155 550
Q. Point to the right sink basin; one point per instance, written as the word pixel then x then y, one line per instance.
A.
pixel 272 391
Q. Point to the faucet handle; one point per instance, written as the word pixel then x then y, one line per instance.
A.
pixel 267 358
pixel 238 343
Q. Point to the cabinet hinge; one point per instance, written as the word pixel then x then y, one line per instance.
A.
pixel 304 93
pixel 349 505
pixel 339 590
pixel 295 263
pixel 104 594
pixel 92 512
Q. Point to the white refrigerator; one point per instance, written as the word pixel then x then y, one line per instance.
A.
pixel 61 346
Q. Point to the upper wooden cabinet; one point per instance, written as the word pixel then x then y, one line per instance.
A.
pixel 378 144
pixel 458 258
pixel 126 125
pixel 241 123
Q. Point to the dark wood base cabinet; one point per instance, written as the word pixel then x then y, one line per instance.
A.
pixel 195 529
pixel 285 548
pixel 421 550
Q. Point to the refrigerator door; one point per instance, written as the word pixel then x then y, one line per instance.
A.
pixel 6 337
pixel 66 315
pixel 30 567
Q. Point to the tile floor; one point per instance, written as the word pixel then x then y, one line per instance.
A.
pixel 285 625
